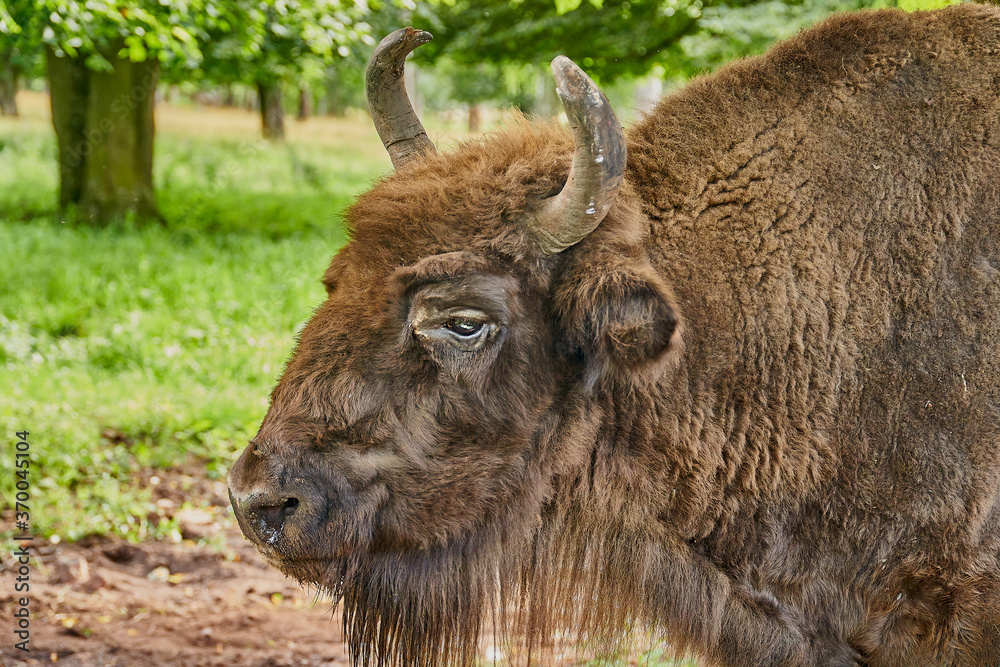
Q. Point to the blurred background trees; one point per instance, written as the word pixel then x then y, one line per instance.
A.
pixel 104 61
pixel 266 45
pixel 610 39
pixel 106 64
pixel 20 44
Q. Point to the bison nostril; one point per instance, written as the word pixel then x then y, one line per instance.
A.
pixel 271 518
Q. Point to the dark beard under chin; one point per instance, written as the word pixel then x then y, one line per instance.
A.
pixel 435 607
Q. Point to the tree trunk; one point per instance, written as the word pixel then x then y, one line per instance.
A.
pixel 272 115
pixel 305 104
pixel 475 117
pixel 69 86
pixel 104 128
pixel 9 77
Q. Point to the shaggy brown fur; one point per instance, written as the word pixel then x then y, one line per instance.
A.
pixel 757 410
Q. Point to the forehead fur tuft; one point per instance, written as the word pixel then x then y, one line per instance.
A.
pixel 473 198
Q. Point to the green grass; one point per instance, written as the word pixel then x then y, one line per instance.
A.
pixel 136 347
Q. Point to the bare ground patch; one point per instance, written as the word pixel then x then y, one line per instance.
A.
pixel 108 602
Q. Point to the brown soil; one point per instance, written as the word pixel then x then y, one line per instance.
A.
pixel 105 601
pixel 108 602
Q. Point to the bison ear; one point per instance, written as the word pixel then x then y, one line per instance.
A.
pixel 619 319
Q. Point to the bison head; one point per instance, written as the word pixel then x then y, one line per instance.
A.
pixel 431 436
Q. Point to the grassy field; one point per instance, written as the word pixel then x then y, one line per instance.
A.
pixel 131 348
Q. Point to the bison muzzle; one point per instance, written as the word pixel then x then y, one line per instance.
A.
pixel 731 376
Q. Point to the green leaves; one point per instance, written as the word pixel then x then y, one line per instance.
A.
pixel 137 29
pixel 229 40
pixel 618 37
pixel 566 6
pixel 8 26
pixel 269 40
pixel 98 63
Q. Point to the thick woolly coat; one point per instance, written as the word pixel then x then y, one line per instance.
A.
pixel 758 409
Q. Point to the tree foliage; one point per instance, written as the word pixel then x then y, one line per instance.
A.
pixel 20 46
pixel 251 41
pixel 609 39
pixel 136 29
pixel 263 43
pixel 236 39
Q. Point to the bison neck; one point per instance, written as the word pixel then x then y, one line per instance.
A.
pixel 698 458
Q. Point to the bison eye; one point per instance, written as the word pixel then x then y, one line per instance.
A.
pixel 464 327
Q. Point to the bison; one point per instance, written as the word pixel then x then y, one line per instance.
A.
pixel 731 376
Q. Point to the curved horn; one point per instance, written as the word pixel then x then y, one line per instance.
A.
pixel 397 124
pixel 598 162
